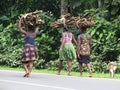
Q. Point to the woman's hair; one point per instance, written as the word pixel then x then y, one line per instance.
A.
pixel 65 28
pixel 83 29
pixel 30 28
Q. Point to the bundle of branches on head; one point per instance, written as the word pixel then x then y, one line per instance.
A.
pixel 84 22
pixel 61 22
pixel 32 19
pixel 75 22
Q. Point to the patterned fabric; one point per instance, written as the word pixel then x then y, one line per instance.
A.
pixel 29 53
pixel 68 52
pixel 84 47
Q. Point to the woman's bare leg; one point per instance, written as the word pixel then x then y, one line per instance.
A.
pixel 80 67
pixel 69 62
pixel 90 71
pixel 30 67
pixel 59 67
pixel 25 68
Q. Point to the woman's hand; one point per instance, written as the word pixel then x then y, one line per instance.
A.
pixel 78 57
pixel 20 26
pixel 60 50
pixel 20 20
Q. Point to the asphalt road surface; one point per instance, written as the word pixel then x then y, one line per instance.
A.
pixel 12 80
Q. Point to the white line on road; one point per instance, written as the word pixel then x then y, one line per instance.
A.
pixel 33 84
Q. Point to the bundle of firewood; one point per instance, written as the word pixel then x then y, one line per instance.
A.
pixel 76 22
pixel 72 21
pixel 32 19
pixel 85 22
pixel 60 22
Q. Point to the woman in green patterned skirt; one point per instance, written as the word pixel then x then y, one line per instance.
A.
pixel 67 51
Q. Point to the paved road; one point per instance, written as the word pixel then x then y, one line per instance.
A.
pixel 12 80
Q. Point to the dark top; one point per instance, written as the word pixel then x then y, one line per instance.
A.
pixel 30 38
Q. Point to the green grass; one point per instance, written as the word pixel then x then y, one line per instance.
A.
pixel 85 74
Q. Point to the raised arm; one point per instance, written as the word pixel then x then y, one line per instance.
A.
pixel 20 27
pixel 36 29
pixel 74 40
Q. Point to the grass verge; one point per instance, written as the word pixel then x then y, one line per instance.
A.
pixel 63 72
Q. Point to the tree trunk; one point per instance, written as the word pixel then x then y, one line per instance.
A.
pixel 64 7
pixel 99 3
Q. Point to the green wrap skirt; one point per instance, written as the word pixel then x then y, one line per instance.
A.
pixel 68 52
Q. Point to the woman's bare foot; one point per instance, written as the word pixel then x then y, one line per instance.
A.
pixel 26 75
pixel 90 74
pixel 69 74
pixel 80 75
pixel 58 73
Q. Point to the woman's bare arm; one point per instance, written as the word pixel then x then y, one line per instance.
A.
pixel 74 40
pixel 62 42
pixel 20 27
pixel 36 29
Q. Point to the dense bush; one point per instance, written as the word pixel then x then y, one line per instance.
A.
pixel 105 42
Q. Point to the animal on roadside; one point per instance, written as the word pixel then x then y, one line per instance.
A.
pixel 112 66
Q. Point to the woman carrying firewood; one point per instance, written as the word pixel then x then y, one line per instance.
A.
pixel 30 53
pixel 67 51
pixel 84 45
